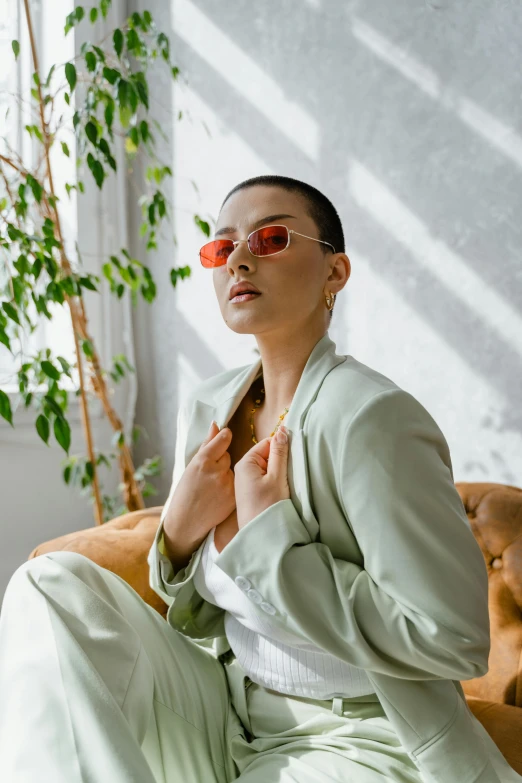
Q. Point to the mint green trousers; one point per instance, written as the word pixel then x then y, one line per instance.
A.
pixel 96 687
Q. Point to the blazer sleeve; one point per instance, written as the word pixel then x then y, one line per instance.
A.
pixel 161 575
pixel 418 609
pixel 188 612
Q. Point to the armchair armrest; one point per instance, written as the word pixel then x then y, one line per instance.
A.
pixel 120 545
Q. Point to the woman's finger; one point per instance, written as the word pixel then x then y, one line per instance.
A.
pixel 278 460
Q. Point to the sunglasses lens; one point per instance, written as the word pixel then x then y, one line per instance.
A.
pixel 263 242
pixel 216 253
pixel 269 240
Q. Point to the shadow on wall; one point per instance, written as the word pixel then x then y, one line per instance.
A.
pixel 408 112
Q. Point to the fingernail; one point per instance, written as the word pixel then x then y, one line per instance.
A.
pixel 210 428
pixel 281 436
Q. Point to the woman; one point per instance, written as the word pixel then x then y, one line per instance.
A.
pixel 344 591
pixel 326 594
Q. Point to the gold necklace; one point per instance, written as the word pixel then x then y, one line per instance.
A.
pixel 257 403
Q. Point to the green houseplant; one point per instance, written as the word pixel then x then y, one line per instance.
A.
pixel 37 269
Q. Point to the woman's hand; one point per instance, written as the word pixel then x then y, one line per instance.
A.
pixel 205 494
pixel 261 478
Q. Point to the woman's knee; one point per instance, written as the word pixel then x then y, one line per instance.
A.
pixel 54 568
pixel 73 561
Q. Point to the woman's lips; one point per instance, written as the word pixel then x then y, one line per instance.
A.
pixel 246 297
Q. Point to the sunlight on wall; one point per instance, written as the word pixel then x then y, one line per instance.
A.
pixel 246 77
pixel 497 133
pixel 381 325
pixel 442 262
pixel 379 321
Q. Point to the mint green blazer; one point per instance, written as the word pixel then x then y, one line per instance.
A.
pixel 372 558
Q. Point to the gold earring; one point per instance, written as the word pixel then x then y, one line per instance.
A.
pixel 330 300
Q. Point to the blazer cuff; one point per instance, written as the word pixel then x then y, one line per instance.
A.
pixel 163 579
pixel 253 556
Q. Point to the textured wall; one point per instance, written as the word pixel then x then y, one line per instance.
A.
pixel 408 116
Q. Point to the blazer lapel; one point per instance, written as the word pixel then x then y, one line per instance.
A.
pixel 225 402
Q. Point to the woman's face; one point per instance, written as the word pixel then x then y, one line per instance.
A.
pixel 292 283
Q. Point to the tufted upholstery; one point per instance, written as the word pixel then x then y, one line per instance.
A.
pixel 495 514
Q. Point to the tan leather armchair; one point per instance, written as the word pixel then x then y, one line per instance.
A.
pixel 495 514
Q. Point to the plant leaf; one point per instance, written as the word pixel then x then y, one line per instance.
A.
pixel 11 312
pixel 91 131
pixel 70 75
pixel 90 60
pixel 5 408
pixel 96 169
pixel 111 74
pixel 109 114
pixel 43 428
pixel 117 40
pixel 56 409
pixel 50 370
pixel 62 433
pixel 88 348
pixel 86 282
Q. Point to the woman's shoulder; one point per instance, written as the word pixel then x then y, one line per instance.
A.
pixel 352 388
pixel 350 385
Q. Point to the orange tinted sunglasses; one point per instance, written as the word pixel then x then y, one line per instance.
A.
pixel 266 241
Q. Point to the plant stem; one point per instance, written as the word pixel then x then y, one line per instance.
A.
pixel 133 496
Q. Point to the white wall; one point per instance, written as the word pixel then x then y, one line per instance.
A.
pixel 408 117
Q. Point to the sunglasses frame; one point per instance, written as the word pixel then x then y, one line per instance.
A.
pixel 265 255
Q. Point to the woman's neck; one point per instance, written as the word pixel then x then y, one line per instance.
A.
pixel 282 367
